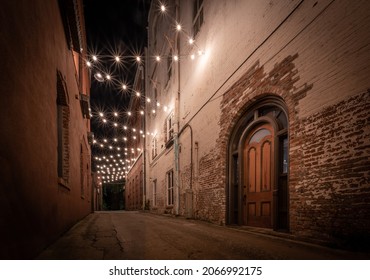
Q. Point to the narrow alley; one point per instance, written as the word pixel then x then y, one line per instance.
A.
pixel 143 236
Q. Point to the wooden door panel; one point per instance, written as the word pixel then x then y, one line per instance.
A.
pixel 266 208
pixel 252 169
pixel 266 166
pixel 258 177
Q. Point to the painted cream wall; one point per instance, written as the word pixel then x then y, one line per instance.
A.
pixel 328 46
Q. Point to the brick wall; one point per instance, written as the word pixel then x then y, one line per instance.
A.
pixel 330 190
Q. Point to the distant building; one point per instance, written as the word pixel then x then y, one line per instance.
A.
pixel 45 181
pixel 264 115
pixel 134 187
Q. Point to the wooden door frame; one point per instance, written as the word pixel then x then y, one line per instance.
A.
pixel 246 121
pixel 257 122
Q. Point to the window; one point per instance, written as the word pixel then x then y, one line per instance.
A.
pixel 63 116
pixel 84 170
pixel 69 13
pixel 154 193
pixel 169 187
pixel 169 65
pixel 154 147
pixel 169 128
pixel 82 173
pixel 197 16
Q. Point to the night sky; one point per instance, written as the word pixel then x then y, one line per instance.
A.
pixel 114 26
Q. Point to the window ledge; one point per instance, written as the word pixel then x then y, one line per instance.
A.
pixel 169 143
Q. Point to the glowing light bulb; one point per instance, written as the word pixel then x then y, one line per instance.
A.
pixel 141 112
pixel 134 130
pixel 158 58
pixel 115 124
pixel 163 8
pixel 192 57
pixel 115 139
pixel 105 140
pixel 178 27
pixel 148 100
pixel 94 58
pixel 191 41
pixel 129 113
pixel 138 94
pixel 101 114
pixel 115 114
pixel 158 104
pixel 124 87
pixel 175 58
pixel 165 108
pixel 117 58
pixel 153 111
pixel 138 59
pixel 88 63
pixel 104 120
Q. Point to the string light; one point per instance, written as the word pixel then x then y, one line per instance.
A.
pixel 102 76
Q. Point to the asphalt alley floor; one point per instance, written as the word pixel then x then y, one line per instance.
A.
pixel 134 235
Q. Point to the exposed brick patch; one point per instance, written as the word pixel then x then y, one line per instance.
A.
pixel 329 158
pixel 210 197
pixel 254 84
pixel 330 193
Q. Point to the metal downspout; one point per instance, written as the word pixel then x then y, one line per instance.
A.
pixel 177 110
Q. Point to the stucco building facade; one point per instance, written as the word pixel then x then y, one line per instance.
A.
pixel 44 118
pixel 259 115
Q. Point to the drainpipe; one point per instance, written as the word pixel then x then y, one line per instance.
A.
pixel 189 192
pixel 144 129
pixel 191 151
pixel 177 121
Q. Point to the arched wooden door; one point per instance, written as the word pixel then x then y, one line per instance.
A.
pixel 258 177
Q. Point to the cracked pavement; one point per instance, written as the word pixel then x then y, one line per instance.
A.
pixel 144 236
